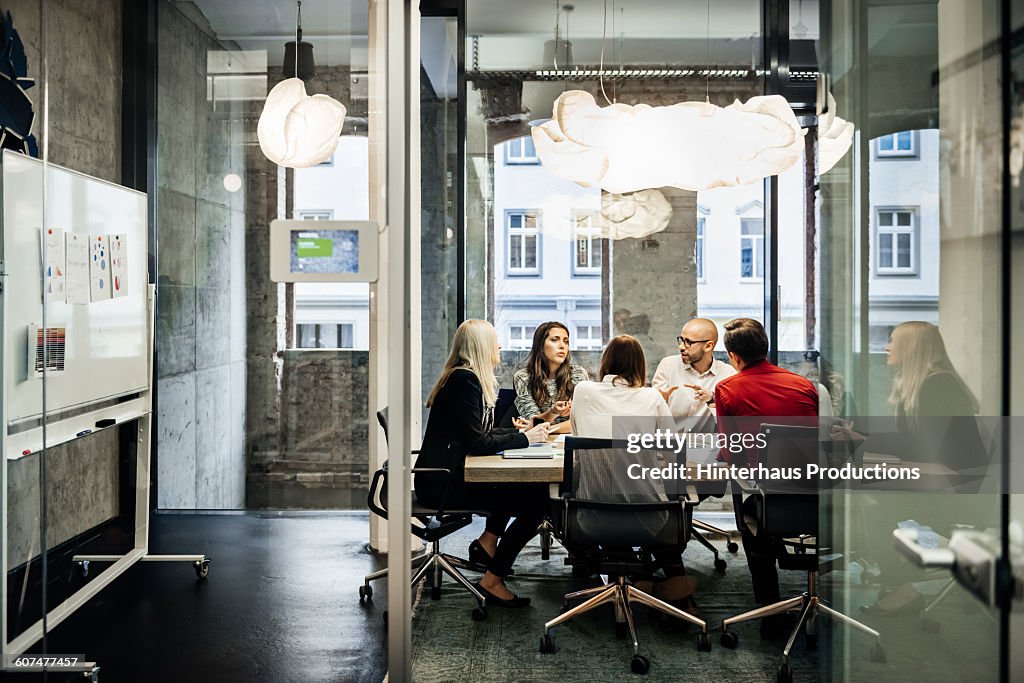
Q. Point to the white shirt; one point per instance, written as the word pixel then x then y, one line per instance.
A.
pixel 673 372
pixel 595 404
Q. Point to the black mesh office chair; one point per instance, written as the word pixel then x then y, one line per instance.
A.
pixel 434 523
pixel 788 514
pixel 615 521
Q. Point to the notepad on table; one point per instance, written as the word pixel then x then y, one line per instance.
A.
pixel 538 451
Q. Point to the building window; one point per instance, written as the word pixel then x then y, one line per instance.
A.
pixel 902 144
pixel 588 337
pixel 523 243
pixel 752 249
pixel 896 242
pixel 520 337
pixel 325 336
pixel 699 249
pixel 315 214
pixel 586 259
pixel 521 151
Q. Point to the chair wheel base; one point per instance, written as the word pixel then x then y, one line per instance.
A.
pixel 720 565
pixel 365 593
pixel 547 644
pixel 877 654
pixel 729 640
pixel 703 642
pixel 785 674
pixel 479 614
pixel 732 547
pixel 640 664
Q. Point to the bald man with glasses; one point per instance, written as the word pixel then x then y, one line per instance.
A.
pixel 687 380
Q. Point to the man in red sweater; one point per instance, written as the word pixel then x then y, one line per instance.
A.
pixel 758 389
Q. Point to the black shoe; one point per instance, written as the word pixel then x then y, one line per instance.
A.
pixel 492 600
pixel 479 556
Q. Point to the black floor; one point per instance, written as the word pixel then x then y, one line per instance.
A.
pixel 280 604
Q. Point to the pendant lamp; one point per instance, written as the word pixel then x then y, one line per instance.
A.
pixel 297 130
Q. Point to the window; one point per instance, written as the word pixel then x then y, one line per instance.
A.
pixel 586 258
pixel 902 144
pixel 315 214
pixel 752 249
pixel 698 249
pixel 325 336
pixel 896 242
pixel 588 337
pixel 521 151
pixel 520 337
pixel 523 246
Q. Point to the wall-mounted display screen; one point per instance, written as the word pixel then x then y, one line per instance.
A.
pixel 323 251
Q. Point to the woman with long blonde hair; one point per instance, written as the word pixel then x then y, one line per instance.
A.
pixel 461 424
pixel 926 383
pixel 935 420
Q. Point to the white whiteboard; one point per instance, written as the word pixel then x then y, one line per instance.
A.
pixel 107 345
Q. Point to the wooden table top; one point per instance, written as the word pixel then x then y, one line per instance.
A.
pixel 494 469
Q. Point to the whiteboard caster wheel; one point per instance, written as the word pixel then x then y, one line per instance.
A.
pixel 202 567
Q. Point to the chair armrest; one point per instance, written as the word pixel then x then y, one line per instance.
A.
pixel 447 480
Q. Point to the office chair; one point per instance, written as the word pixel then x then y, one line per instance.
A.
pixel 434 524
pixel 616 521
pixel 788 513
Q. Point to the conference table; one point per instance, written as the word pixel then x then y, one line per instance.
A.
pixel 495 469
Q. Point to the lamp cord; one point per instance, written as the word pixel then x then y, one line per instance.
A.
pixel 298 35
pixel 604 36
pixel 707 59
pixel 555 57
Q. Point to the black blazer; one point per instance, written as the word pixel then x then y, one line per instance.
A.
pixel 455 430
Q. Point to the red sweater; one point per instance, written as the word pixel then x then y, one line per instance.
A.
pixel 761 390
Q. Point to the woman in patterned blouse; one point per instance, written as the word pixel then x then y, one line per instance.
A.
pixel 544 388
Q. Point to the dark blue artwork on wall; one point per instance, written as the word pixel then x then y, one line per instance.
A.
pixel 16 115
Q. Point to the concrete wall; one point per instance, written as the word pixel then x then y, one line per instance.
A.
pixel 201 286
pixel 84 44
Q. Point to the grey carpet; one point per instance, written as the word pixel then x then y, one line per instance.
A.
pixel 448 646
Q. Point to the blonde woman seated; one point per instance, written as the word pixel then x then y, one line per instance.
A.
pixel 544 388
pixel 618 405
pixel 461 424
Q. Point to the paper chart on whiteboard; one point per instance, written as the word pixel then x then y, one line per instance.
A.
pixel 53 275
pixel 76 268
pixel 99 267
pixel 118 265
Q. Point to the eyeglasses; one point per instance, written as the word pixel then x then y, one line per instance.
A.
pixel 690 342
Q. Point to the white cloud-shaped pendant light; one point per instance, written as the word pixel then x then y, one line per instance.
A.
pixel 298 130
pixel 689 145
pixel 635 215
pixel 835 136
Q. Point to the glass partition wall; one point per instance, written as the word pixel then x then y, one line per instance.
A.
pixel 885 268
pixel 913 312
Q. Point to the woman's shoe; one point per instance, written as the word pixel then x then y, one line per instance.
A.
pixel 492 600
pixel 478 555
